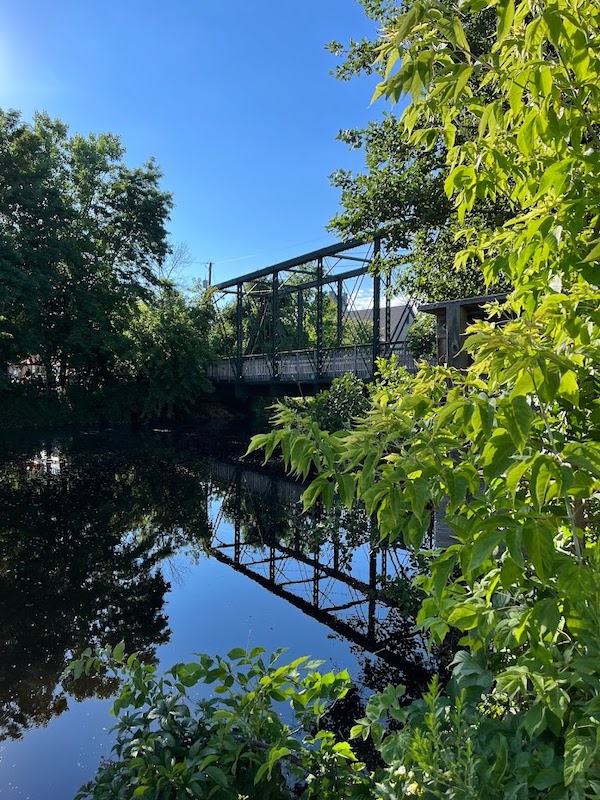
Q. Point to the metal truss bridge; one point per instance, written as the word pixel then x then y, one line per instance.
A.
pixel 310 319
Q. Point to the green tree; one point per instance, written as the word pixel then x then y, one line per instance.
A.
pixel 511 446
pixel 169 350
pixel 402 190
pixel 421 337
pixel 80 236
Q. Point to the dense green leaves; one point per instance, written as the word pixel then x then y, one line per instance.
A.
pixel 83 240
pixel 174 740
pixel 81 234
pixel 401 190
pixel 507 450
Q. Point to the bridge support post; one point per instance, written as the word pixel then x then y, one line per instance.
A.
pixel 456 325
pixel 300 344
pixel 239 325
pixel 274 325
pixel 320 318
pixel 376 305
pixel 340 311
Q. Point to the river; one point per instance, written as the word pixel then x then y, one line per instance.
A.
pixel 165 539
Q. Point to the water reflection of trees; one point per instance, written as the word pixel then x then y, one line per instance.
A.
pixel 264 521
pixel 84 537
pixel 80 562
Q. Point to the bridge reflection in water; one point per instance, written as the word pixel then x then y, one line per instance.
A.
pixel 327 565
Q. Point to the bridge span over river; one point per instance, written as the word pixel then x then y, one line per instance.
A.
pixel 303 322
pixel 310 319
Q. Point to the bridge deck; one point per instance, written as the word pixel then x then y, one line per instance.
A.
pixel 305 366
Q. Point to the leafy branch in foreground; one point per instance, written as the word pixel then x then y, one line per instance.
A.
pixel 174 741
pixel 510 448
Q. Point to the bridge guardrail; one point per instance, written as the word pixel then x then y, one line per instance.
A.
pixel 301 366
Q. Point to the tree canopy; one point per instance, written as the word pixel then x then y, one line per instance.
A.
pixel 507 450
pixel 401 192
pixel 83 252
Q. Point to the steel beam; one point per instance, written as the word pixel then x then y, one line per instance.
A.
pixel 320 318
pixel 274 323
pixel 376 306
pixel 239 331
pixel 299 261
pixel 343 276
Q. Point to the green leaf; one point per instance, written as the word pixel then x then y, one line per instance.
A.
pixel 594 254
pixel 506 15
pixel 546 778
pixel 539 545
pixel 579 752
pixel 346 488
pixel 260 772
pixel 586 455
pixel 257 442
pixel 218 776
pixel 119 652
pixel 511 573
pixel 515 474
pixel 392 748
pixel 356 731
pixel 514 543
pixel 569 387
pixel 441 569
pixel 483 547
pixel 542 476
pixel 518 416
pixel 547 613
pixel 277 753
pixel 534 720
pixel 461 78
pixel 498 453
pixel 555 177
pixel 464 617
pixel 526 136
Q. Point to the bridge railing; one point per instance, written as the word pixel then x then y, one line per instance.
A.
pixel 302 366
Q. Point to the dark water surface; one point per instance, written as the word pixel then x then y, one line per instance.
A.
pixel 164 539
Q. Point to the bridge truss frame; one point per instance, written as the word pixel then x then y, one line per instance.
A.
pixel 266 290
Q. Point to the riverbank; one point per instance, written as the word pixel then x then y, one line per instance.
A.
pixel 25 405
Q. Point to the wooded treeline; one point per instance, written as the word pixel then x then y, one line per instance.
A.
pixel 83 248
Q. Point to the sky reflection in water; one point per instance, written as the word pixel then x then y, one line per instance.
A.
pixel 109 536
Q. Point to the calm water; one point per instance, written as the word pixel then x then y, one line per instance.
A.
pixel 164 539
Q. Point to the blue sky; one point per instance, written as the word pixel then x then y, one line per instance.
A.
pixel 234 100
